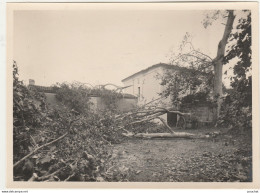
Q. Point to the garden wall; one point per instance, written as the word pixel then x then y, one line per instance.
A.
pixel 203 112
pixel 123 104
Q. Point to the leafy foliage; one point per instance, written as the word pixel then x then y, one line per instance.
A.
pixel 26 114
pixel 187 85
pixel 237 106
pixel 191 78
pixel 212 16
pixel 76 96
pixel 109 97
pixel 80 156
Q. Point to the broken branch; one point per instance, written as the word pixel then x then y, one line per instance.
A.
pixel 52 174
pixel 165 124
pixel 38 148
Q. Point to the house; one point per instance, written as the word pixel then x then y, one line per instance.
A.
pixel 145 84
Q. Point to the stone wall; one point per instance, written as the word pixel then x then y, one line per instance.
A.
pixel 126 104
pixel 203 112
pixel 123 104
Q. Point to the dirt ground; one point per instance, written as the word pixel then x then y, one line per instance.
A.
pixel 224 158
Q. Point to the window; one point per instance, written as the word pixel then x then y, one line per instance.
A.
pixel 139 92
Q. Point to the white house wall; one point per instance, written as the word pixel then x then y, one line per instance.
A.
pixel 148 83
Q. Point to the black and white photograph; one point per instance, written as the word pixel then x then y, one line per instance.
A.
pixel 133 92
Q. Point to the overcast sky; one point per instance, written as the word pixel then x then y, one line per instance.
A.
pixel 103 46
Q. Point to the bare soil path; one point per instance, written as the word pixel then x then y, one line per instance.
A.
pixel 182 160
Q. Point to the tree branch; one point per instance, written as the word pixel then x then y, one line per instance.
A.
pixel 68 178
pixel 44 145
pixel 52 174
pixel 38 148
pixel 201 59
pixel 165 124
pixel 203 54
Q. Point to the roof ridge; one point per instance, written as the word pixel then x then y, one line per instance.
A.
pixel 149 68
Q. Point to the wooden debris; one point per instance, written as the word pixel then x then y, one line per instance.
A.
pixel 165 135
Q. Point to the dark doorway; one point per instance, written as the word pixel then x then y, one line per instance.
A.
pixel 172 119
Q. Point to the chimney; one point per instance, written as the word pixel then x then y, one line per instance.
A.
pixel 31 82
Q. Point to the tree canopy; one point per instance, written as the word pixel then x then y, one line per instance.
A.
pixel 237 107
pixel 197 81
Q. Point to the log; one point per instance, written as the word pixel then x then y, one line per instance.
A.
pixel 165 135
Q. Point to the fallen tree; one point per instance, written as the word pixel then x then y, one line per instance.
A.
pixel 165 135
pixel 145 115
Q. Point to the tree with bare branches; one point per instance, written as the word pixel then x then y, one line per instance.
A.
pixel 203 73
